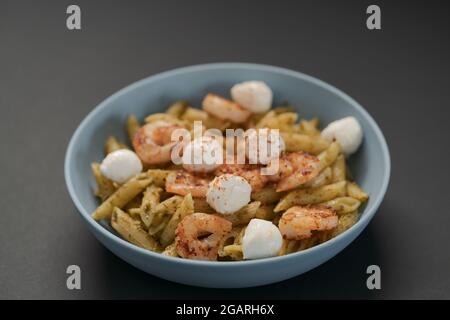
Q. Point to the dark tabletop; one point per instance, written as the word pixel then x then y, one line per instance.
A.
pixel 50 78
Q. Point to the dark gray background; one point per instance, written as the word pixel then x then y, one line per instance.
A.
pixel 50 78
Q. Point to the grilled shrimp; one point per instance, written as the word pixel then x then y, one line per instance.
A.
pixel 182 182
pixel 294 169
pixel 152 142
pixel 224 109
pixel 251 173
pixel 299 222
pixel 198 236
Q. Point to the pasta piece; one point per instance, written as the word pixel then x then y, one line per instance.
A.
pixel 186 207
pixel 345 222
pixel 301 142
pixel 134 212
pixel 122 196
pixel 268 118
pixel 339 168
pixel 132 231
pixel 135 203
pixel 177 109
pixel 310 127
pixel 244 215
pixel 227 240
pixel 160 215
pixel 355 191
pixel 112 144
pixel 307 243
pixel 330 155
pixel 283 109
pixel 325 177
pixel 267 195
pixel 158 176
pixel 234 251
pixel 289 246
pixel 166 117
pixel 105 187
pixel 200 205
pixel 266 212
pixel 151 199
pixel 282 121
pixel 170 250
pixel 132 126
pixel 312 196
pixel 343 205
pixel 192 114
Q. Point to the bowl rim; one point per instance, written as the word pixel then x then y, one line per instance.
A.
pixel 364 219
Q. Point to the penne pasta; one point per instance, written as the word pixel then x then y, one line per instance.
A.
pixel 266 212
pixel 234 251
pixel 355 191
pixel 112 144
pixel 312 196
pixel 343 205
pixel 244 215
pixel 158 176
pixel 150 200
pixel 301 142
pixel 105 187
pixel 330 155
pixel 267 195
pixel 345 222
pixel 166 117
pixel 177 109
pixel 170 250
pixel 132 126
pixel 185 208
pixel 132 231
pixel 310 127
pixel 325 177
pixel 124 194
pixel 230 239
pixel 339 169
pixel 200 205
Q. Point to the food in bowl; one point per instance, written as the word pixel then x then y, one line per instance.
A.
pixel 235 180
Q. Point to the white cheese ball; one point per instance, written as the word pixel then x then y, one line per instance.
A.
pixel 121 165
pixel 347 131
pixel 262 239
pixel 263 145
pixel 203 154
pixel 228 193
pixel 255 96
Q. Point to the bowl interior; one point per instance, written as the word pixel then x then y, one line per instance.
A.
pixel 311 98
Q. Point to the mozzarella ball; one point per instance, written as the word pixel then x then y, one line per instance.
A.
pixel 228 193
pixel 262 239
pixel 347 131
pixel 121 165
pixel 255 96
pixel 263 145
pixel 203 154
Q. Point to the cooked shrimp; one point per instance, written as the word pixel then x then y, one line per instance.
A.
pixel 298 222
pixel 250 172
pixel 182 182
pixel 294 169
pixel 198 236
pixel 152 142
pixel 224 109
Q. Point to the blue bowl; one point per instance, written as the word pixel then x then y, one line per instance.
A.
pixel 313 98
